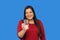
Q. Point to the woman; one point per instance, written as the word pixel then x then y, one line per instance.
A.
pixel 34 29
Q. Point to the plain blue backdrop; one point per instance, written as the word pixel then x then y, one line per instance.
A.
pixel 11 11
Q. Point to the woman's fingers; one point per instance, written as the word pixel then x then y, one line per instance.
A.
pixel 24 27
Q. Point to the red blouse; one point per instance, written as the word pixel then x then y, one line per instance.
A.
pixel 32 32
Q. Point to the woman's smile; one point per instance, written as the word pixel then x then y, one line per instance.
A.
pixel 29 14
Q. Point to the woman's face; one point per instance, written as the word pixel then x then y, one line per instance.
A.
pixel 29 14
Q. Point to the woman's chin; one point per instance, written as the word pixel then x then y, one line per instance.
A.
pixel 29 18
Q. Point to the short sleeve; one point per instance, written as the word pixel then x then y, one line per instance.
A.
pixel 19 28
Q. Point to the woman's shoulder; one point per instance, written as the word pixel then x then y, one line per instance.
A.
pixel 21 21
pixel 39 21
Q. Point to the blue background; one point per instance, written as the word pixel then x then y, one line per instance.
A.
pixel 11 11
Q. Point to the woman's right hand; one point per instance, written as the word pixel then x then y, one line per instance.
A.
pixel 24 27
pixel 22 32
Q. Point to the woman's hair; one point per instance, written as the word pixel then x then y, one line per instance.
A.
pixel 34 18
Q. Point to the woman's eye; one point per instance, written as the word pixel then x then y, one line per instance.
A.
pixel 26 12
pixel 30 12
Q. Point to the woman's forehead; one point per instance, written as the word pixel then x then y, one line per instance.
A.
pixel 29 9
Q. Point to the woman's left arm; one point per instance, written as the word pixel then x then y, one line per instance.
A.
pixel 42 30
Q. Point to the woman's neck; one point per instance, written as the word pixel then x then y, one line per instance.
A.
pixel 31 21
